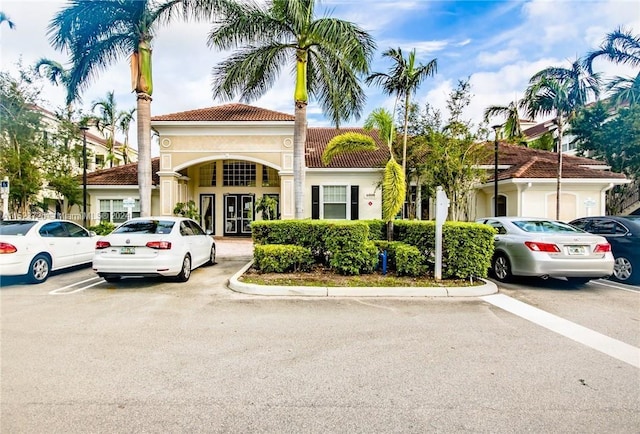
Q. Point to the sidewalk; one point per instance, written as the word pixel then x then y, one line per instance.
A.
pixel 234 248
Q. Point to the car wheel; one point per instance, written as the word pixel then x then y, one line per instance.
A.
pixel 623 270
pixel 212 256
pixel 578 280
pixel 39 269
pixel 112 279
pixel 501 268
pixel 185 272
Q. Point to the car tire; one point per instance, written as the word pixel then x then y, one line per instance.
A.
pixel 501 268
pixel 39 269
pixel 112 279
pixel 623 271
pixel 185 271
pixel 212 256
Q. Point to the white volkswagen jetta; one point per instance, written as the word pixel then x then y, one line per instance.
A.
pixel 153 246
pixel 35 248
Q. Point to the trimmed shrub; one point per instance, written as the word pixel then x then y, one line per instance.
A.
pixel 409 261
pixel 103 228
pixel 356 261
pixel 282 258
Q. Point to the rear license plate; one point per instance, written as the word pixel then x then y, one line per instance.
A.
pixel 577 250
pixel 127 250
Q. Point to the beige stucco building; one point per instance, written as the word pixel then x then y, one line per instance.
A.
pixel 226 158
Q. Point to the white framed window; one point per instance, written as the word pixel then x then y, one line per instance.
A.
pixel 334 202
pixel 113 210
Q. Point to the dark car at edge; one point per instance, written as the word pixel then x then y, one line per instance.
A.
pixel 623 233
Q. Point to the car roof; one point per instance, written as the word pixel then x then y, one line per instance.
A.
pixel 633 219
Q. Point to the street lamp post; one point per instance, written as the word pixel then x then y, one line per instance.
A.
pixel 84 175
pixel 496 128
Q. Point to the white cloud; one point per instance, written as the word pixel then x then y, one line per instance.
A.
pixel 501 57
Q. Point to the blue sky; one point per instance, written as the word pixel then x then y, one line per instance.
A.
pixel 498 45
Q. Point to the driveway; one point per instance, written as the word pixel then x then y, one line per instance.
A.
pixel 160 356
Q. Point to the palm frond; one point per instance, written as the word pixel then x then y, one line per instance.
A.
pixel 394 190
pixel 250 72
pixel 347 143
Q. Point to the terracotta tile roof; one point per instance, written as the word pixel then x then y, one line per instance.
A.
pixel 318 138
pixel 126 174
pixel 534 163
pixel 228 112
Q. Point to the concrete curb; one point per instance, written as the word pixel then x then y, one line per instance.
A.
pixel 318 291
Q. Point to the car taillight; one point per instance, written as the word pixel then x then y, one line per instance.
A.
pixel 602 248
pixel 102 244
pixel 542 247
pixel 7 248
pixel 160 245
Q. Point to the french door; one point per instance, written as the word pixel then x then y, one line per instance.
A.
pixel 238 214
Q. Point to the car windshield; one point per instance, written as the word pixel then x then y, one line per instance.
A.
pixel 15 227
pixel 145 227
pixel 546 226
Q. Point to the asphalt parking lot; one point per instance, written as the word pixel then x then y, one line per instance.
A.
pixel 81 355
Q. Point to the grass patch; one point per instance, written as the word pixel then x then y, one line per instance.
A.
pixel 320 276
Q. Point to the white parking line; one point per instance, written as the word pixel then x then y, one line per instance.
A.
pixel 61 291
pixel 612 347
pixel 598 282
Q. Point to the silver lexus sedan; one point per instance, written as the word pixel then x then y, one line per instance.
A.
pixel 547 248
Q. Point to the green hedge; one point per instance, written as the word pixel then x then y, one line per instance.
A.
pixel 282 258
pixel 346 246
pixel 467 248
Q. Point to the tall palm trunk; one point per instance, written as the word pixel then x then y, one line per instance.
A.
pixel 299 140
pixel 301 98
pixel 559 180
pixel 144 152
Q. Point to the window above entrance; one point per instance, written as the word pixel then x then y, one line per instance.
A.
pixel 239 174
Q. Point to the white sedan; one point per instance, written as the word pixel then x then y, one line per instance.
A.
pixel 153 246
pixel 35 248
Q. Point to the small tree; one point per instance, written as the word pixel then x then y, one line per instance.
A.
pixel 268 206
pixel 21 139
pixel 188 210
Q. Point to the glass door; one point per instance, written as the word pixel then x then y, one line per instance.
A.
pixel 247 213
pixel 238 214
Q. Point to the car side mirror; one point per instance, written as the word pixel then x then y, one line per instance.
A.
pixel 92 234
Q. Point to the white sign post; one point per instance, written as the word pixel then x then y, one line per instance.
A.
pixel 442 209
pixel 4 194
pixel 129 203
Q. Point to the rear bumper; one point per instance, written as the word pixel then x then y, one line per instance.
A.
pixel 544 265
pixel 14 265
pixel 114 267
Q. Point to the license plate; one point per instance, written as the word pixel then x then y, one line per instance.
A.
pixel 127 250
pixel 577 250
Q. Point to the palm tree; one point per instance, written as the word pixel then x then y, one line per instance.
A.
pixel 327 55
pixel 4 18
pixel 394 187
pixel 560 91
pixel 125 118
pixel 107 120
pixel 98 33
pixel 58 76
pixel 619 46
pixel 511 127
pixel 624 90
pixel 403 79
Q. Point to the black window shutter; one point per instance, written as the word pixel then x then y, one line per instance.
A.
pixel 315 202
pixel 355 189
